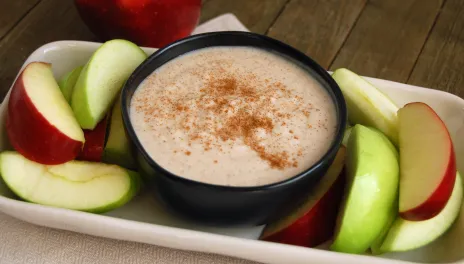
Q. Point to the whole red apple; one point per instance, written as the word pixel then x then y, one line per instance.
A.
pixel 151 23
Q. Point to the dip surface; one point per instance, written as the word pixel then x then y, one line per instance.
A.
pixel 233 116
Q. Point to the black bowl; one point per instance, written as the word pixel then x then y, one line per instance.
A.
pixel 224 205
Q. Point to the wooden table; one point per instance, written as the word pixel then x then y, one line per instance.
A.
pixel 420 42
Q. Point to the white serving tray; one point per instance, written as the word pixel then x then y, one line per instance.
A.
pixel 144 220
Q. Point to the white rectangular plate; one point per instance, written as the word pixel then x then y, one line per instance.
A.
pixel 144 220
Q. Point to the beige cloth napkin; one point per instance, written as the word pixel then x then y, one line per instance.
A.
pixel 22 243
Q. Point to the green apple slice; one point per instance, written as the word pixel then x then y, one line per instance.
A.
pixel 375 247
pixel 117 148
pixel 367 105
pixel 68 81
pixel 372 171
pixel 346 135
pixel 102 78
pixel 78 185
pixel 408 235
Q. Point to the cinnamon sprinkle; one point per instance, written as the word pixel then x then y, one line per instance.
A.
pixel 231 107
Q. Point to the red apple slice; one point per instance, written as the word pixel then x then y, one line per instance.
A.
pixel 94 142
pixel 313 222
pixel 427 162
pixel 40 123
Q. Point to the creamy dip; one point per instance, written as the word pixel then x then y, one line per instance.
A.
pixel 234 116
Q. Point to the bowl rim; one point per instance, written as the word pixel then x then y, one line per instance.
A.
pixel 293 53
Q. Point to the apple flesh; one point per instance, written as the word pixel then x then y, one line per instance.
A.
pixel 102 78
pixel 346 135
pixel 68 81
pixel 40 123
pixel 372 172
pixel 78 185
pixel 408 235
pixel 428 163
pixel 94 142
pixel 94 139
pixel 367 105
pixel 117 149
pixel 312 223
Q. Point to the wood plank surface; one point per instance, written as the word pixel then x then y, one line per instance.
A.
pixel 12 11
pixel 50 20
pixel 317 27
pixel 441 63
pixel 256 15
pixel 387 38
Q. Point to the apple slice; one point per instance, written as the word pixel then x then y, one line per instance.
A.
pixel 78 185
pixel 372 172
pixel 346 135
pixel 428 164
pixel 312 223
pixel 94 142
pixel 40 123
pixel 375 247
pixel 102 78
pixel 366 104
pixel 68 81
pixel 117 148
pixel 408 235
